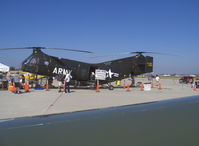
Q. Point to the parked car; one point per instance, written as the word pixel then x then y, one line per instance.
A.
pixel 186 80
pixel 196 83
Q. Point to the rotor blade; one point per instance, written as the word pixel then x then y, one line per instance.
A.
pixel 73 50
pixel 46 48
pixel 22 48
pixel 15 48
pixel 137 53
pixel 109 55
pixel 158 53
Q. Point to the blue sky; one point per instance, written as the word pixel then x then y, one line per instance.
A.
pixel 103 27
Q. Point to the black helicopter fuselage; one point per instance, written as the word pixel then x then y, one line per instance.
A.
pixel 43 64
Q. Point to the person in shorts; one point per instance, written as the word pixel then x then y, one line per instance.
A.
pixel 60 82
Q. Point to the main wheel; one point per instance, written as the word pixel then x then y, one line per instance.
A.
pixel 110 87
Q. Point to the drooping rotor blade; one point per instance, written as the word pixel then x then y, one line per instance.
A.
pixel 136 53
pixel 23 48
pixel 158 53
pixel 73 50
pixel 110 55
pixel 82 51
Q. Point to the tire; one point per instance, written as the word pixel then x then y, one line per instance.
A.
pixel 110 87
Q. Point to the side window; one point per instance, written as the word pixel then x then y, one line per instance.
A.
pixel 46 63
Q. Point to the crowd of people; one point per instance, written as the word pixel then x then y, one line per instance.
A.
pixel 17 80
pixel 64 82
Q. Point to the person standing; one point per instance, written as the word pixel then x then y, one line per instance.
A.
pixel 157 78
pixel 60 80
pixel 67 79
pixel 16 79
pixel 23 79
pixel 132 80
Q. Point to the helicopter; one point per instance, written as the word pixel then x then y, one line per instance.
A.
pixel 41 63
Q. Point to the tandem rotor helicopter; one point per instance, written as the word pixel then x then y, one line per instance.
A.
pixel 40 63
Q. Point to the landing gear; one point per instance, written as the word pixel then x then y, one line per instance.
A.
pixel 132 80
pixel 110 87
pixel 76 84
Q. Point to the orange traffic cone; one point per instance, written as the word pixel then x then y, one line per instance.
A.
pixel 12 88
pixel 97 86
pixel 194 89
pixel 152 84
pixel 159 86
pixel 125 84
pixel 26 87
pixel 47 85
pixel 142 87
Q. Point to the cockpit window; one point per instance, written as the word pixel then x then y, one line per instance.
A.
pixel 32 60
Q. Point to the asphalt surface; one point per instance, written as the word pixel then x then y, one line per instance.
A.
pixel 41 102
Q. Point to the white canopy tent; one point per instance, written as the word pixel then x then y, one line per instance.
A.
pixel 4 68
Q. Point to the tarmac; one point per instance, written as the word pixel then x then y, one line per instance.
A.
pixel 42 103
